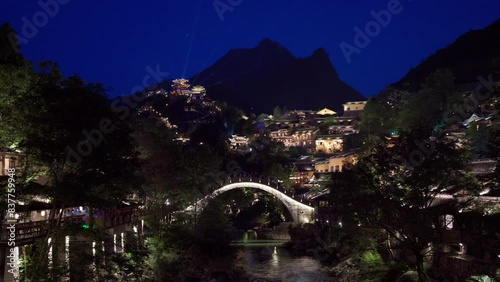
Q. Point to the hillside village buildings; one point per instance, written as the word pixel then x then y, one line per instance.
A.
pixel 305 128
pixel 329 140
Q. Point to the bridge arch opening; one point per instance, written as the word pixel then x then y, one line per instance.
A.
pixel 300 212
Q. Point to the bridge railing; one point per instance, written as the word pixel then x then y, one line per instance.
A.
pixel 271 182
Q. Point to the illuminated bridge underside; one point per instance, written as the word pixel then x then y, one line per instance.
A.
pixel 300 213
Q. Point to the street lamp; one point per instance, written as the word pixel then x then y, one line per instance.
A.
pixel 167 204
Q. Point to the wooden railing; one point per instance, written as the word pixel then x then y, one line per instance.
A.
pixel 26 232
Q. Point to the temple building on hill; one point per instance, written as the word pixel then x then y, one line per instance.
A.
pixel 180 87
pixel 198 93
pixel 194 95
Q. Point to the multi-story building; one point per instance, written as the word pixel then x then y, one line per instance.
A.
pixel 238 143
pixel 334 163
pixel 354 109
pixel 9 160
pixel 283 136
pixel 302 173
pixel 304 137
pixel 329 144
pixel 288 120
pixel 341 130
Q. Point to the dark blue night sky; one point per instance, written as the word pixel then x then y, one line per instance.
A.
pixel 113 41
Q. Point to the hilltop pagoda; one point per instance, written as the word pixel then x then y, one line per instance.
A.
pixel 198 93
pixel 180 87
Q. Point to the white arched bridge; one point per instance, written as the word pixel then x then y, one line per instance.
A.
pixel 300 208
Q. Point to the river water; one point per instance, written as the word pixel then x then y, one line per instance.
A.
pixel 266 259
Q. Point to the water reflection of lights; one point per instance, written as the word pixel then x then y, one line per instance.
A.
pixel 123 242
pixel 93 256
pixel 275 260
pixel 268 261
pixel 49 257
pixel 66 249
